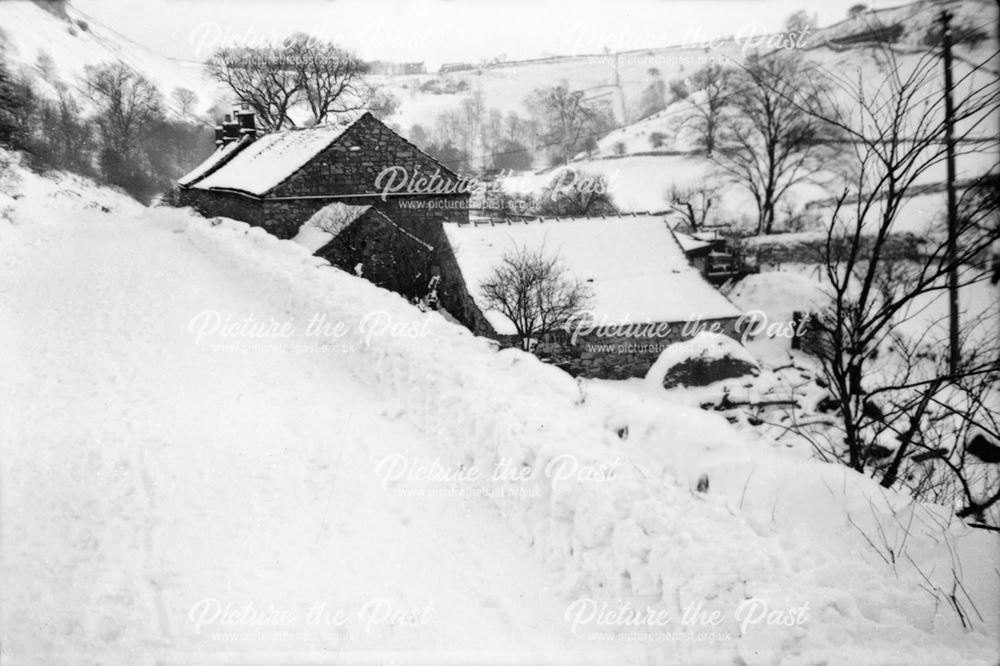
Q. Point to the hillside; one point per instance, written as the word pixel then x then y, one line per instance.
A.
pixel 641 171
pixel 643 160
pixel 506 84
pixel 70 40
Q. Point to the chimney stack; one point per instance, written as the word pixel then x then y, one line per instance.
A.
pixel 230 130
pixel 247 123
pixel 218 136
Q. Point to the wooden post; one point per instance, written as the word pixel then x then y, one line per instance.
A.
pixel 952 248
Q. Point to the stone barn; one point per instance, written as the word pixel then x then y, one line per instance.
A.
pixel 381 201
pixel 645 293
pixel 364 241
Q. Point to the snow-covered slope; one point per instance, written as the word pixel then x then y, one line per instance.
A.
pixel 75 40
pixel 159 462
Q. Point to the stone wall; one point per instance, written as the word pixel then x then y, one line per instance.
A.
pixel 281 218
pixel 810 248
pixel 455 295
pixel 352 164
pixel 623 356
pixel 390 257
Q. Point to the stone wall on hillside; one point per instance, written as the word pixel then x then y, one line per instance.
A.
pixel 810 248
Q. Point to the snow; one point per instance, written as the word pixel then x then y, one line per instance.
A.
pixel 221 154
pixel 180 474
pixel 779 293
pixel 145 471
pixel 704 345
pixel 506 86
pixel 633 265
pixel 30 31
pixel 271 159
pixel 326 223
pixel 689 243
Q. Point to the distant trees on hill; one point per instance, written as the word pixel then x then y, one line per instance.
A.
pixel 568 119
pixel 127 104
pixel 559 123
pixel 716 85
pixel 771 143
pixel 654 97
pixel 16 100
pixel 749 121
pixel 185 99
pixel 125 139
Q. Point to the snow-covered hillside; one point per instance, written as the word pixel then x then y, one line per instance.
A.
pixel 643 161
pixel 189 470
pixel 73 40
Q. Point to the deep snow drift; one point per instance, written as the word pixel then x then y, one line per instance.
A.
pixel 216 448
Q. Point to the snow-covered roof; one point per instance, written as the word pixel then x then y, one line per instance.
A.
pixel 326 223
pixel 214 160
pixel 272 158
pixel 634 266
pixel 689 243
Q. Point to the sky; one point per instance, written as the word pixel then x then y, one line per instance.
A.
pixel 439 31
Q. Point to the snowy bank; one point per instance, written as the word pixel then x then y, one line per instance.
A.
pixel 768 528
pixel 617 507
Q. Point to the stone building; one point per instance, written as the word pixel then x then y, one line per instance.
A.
pixel 373 204
pixel 396 196
pixel 645 293
pixel 363 240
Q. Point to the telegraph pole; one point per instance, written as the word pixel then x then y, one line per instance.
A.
pixel 952 247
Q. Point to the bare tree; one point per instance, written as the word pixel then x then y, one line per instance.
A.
pixel 381 103
pixel 472 110
pixel 330 77
pixel 535 292
pixel 772 143
pixel 693 203
pixel 707 118
pixel 263 78
pixel 800 22
pixel 679 89
pixel 567 118
pixel 185 100
pixel 71 137
pixel 654 97
pixel 18 102
pixel 272 79
pixel 127 104
pixel 904 412
pixel 573 193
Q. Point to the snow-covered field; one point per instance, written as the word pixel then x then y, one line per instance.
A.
pixel 176 487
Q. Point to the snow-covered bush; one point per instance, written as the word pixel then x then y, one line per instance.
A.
pixel 705 358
